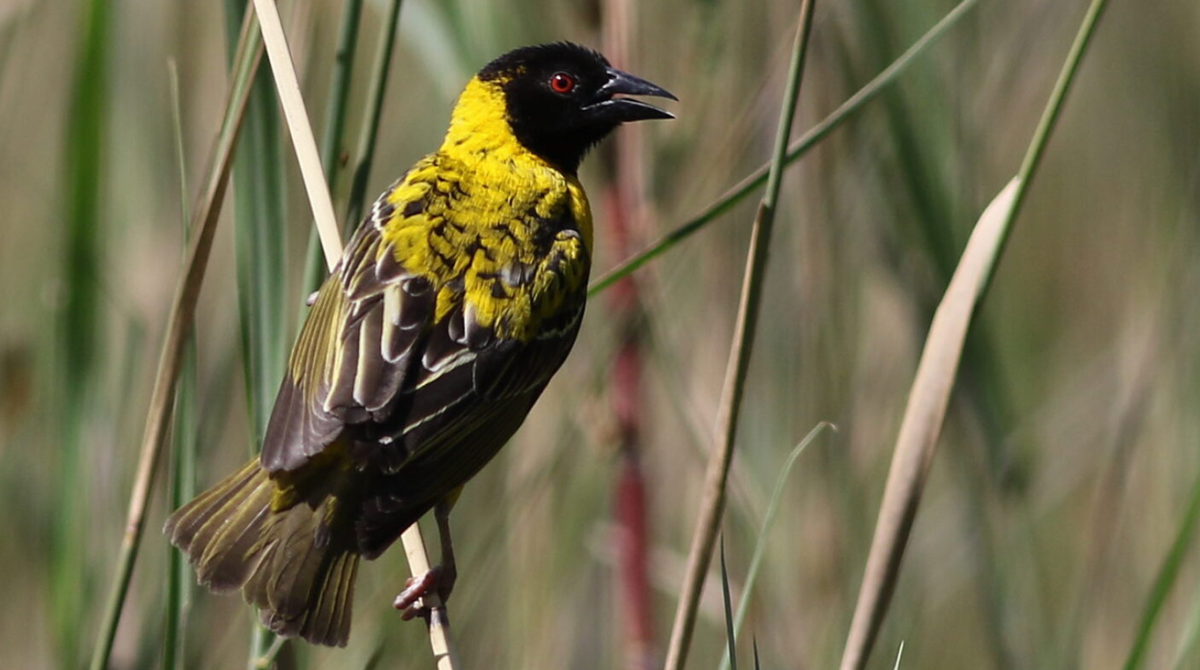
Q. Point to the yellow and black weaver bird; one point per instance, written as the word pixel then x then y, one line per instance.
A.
pixel 455 302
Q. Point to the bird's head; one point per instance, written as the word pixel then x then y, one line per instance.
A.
pixel 561 99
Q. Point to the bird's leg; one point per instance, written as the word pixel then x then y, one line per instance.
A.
pixel 449 575
pixel 441 577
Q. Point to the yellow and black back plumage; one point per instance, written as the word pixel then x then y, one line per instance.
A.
pixel 455 302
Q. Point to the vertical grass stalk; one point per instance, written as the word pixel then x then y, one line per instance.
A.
pixel 335 125
pixel 920 428
pixel 713 503
pixel 377 84
pixel 182 316
pixel 181 486
pixel 260 236
pixel 929 224
pixel 287 85
pixel 79 324
pixel 259 240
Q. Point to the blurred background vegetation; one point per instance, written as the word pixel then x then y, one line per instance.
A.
pixel 1071 446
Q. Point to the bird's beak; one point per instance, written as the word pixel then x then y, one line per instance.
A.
pixel 622 110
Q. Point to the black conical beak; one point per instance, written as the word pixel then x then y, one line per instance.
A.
pixel 622 110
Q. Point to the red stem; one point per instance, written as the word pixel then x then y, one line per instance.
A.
pixel 626 214
pixel 626 394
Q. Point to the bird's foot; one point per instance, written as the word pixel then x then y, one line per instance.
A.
pixel 412 600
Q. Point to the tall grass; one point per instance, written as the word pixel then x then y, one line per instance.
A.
pixel 940 358
pixel 381 67
pixel 869 227
pixel 180 321
pixel 80 327
pixel 260 222
pixel 181 485
pixel 759 177
pixel 335 126
pixel 261 234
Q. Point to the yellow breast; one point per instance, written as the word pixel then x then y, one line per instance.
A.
pixel 497 230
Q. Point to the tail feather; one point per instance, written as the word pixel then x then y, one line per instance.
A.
pixel 327 620
pixel 286 562
pixel 295 564
pixel 186 523
pixel 231 556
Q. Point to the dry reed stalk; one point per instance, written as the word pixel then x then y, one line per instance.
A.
pixel 712 506
pixel 930 394
pixel 287 83
pixel 922 424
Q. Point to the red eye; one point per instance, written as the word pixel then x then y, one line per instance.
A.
pixel 562 83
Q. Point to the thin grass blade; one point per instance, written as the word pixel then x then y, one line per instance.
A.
pixel 1049 119
pixel 1189 645
pixel 624 159
pixel 813 137
pixel 730 639
pixel 287 85
pixel 760 547
pixel 1168 575
pixel 181 486
pixel 260 234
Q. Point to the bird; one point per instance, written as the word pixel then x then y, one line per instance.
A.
pixel 454 303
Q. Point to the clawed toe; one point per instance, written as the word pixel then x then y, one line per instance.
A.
pixel 411 600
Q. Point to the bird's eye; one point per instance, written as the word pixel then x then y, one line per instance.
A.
pixel 562 83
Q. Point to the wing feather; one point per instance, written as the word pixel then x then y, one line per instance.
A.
pixel 396 357
pixel 370 359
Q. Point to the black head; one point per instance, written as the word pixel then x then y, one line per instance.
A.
pixel 560 99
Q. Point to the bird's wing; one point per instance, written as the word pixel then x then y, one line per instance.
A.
pixel 399 354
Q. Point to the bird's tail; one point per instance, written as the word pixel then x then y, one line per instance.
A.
pixel 289 562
